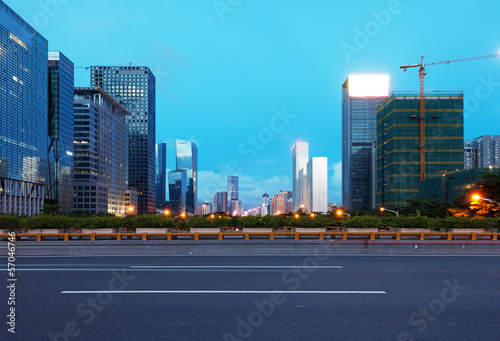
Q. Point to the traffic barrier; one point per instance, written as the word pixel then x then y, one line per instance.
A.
pixel 344 235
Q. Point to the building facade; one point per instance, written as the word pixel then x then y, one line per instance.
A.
pixel 134 88
pixel 161 174
pixel 361 96
pixel 399 141
pixel 278 204
pixel 452 185
pixel 61 100
pixel 24 163
pixel 317 183
pixel 187 158
pixel 300 154
pixel 265 209
pixel 100 152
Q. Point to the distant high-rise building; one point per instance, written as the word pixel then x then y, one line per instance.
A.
pixel 134 88
pixel 278 204
pixel 469 156
pixel 317 180
pixel 265 204
pixel 361 96
pixel 61 100
pixel 161 174
pixel 178 190
pixel 24 177
pixel 482 152
pixel 399 142
pixel 232 189
pixel 289 202
pixel 300 153
pixel 100 152
pixel 234 207
pixel 187 158
pixel 303 189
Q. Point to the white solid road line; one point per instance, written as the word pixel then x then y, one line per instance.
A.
pixel 234 267
pixel 217 292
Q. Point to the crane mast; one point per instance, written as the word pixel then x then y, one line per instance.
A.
pixel 421 76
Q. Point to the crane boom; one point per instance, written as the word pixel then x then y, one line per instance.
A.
pixel 421 76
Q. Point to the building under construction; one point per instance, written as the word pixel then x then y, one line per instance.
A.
pixel 411 147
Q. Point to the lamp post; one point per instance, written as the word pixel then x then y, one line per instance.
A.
pixel 382 209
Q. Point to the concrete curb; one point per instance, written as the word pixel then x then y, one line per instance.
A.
pixel 254 247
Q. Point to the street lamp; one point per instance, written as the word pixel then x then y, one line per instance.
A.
pixel 312 215
pixel 477 197
pixel 183 215
pixel 296 216
pixel 382 209
pixel 340 212
pixel 166 212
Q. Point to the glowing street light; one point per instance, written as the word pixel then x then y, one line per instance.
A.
pixel 312 215
pixel 183 215
pixel 166 212
pixel 130 209
pixel 340 212
pixel 382 209
pixel 212 216
pixel 477 197
pixel 296 216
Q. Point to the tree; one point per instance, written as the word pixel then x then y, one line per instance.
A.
pixel 488 187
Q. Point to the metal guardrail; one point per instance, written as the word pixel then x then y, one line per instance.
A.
pixel 271 235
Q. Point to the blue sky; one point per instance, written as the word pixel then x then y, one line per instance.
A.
pixel 230 72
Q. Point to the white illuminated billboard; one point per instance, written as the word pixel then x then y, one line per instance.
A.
pixel 368 85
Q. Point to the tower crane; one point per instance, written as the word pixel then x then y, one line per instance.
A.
pixel 421 76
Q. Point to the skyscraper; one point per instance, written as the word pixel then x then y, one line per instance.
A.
pixel 61 100
pixel 187 158
pixel 399 143
pixel 24 116
pixel 317 184
pixel 361 96
pixel 178 190
pixel 100 152
pixel 134 88
pixel 300 153
pixel 265 204
pixel 161 174
pixel 232 190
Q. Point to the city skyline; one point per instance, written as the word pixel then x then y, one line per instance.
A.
pixel 333 48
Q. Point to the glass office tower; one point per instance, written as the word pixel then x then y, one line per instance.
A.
pixel 134 89
pixel 161 174
pixel 23 115
pixel 61 100
pixel 178 190
pixel 317 184
pixel 187 158
pixel 100 153
pixel 232 190
pixel 361 96
pixel 300 153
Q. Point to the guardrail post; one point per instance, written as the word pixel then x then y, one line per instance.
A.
pixel 297 236
pixel 66 237
pixel 38 237
pixel 344 235
pixel 473 236
pixel 449 236
pixel 221 236
pixel 196 236
pixel 247 236
pixel 398 235
pixel 422 235
pixel 92 236
pixel 495 236
pixel 271 236
pixel 118 236
pixel 169 235
pixel 372 235
pixel 144 236
pixel 321 236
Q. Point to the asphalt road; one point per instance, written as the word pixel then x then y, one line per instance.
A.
pixel 254 298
